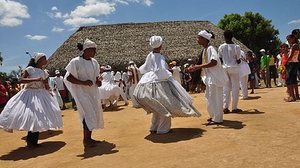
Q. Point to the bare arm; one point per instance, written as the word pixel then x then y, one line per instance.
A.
pixel 74 80
pixel 212 63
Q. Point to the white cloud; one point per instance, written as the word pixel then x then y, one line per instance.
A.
pixel 57 29
pixel 91 11
pixel 96 9
pixel 35 37
pixel 12 13
pixel 294 21
pixel 54 8
pixel 148 2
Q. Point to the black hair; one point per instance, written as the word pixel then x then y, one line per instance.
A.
pixel 284 45
pixel 32 63
pixel 295 31
pixel 292 36
pixel 249 53
pixel 80 46
pixel 228 34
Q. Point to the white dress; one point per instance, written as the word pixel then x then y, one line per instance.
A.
pixel 32 108
pixel 158 92
pixel 109 90
pixel 87 98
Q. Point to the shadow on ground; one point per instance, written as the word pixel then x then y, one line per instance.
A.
pixel 251 111
pixel 46 134
pixel 227 124
pixel 24 153
pixel 112 109
pixel 177 134
pixel 253 97
pixel 102 148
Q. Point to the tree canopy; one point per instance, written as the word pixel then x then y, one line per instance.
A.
pixel 253 30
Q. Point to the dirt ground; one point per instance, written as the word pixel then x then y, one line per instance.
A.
pixel 266 134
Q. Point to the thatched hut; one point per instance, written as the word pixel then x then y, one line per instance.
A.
pixel 120 43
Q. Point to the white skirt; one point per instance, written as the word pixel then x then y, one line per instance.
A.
pixel 165 99
pixel 31 110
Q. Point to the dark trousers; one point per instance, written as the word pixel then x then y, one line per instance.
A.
pixel 32 138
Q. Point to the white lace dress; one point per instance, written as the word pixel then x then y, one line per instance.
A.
pixel 33 108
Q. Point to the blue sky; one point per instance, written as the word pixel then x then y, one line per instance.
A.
pixel 43 25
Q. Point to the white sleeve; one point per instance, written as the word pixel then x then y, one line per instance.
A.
pixel 212 53
pixel 71 68
pixel 146 67
pixel 220 51
pixel 238 52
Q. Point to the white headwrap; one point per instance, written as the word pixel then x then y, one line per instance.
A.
pixel 155 41
pixel 89 44
pixel 37 56
pixel 205 34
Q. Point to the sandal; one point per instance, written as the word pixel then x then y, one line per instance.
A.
pixel 289 99
pixel 226 111
pixel 214 123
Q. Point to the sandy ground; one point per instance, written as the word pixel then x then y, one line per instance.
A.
pixel 266 134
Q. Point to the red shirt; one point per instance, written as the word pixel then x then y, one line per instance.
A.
pixel 3 99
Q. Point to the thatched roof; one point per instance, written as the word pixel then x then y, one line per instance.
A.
pixel 120 43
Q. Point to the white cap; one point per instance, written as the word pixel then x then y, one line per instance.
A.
pixel 107 68
pixel 131 62
pixel 262 50
pixel 57 72
pixel 205 34
pixel 155 41
pixel 89 44
pixel 38 56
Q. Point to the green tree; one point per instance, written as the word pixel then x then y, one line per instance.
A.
pixel 253 30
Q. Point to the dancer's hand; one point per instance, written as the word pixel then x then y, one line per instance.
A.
pixel 88 82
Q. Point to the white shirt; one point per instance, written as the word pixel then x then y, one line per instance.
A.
pixel 176 74
pixel 214 75
pixel 229 53
pixel 59 81
pixel 155 68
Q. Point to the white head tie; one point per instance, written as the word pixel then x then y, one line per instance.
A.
pixel 38 56
pixel 205 34
pixel 89 44
pixel 155 41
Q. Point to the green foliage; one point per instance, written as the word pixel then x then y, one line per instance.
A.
pixel 253 30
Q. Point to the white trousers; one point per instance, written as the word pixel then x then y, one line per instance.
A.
pixel 232 88
pixel 161 124
pixel 244 86
pixel 214 102
pixel 133 100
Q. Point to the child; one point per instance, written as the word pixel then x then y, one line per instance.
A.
pixel 214 77
pixel 159 93
pixel 253 68
pixel 32 109
pixel 82 81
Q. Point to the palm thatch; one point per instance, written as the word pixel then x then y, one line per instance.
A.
pixel 120 43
